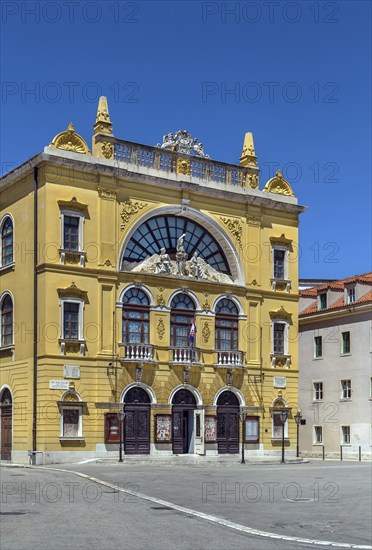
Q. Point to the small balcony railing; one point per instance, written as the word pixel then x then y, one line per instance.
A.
pixel 230 358
pixel 138 352
pixel 186 356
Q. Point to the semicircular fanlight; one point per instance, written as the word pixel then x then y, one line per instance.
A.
pixel 164 231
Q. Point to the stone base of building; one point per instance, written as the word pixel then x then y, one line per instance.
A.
pixel 102 453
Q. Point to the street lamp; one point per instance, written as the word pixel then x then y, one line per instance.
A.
pixel 121 415
pixel 283 415
pixel 243 416
pixel 298 417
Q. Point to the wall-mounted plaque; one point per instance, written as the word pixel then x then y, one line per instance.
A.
pixel 59 384
pixel 71 371
pixel 163 428
pixel 210 424
pixel 280 382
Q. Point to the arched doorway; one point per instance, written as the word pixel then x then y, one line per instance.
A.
pixel 137 422
pixel 184 404
pixel 228 423
pixel 6 419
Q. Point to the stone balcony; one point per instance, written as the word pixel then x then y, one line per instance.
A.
pixel 185 356
pixel 229 359
pixel 137 353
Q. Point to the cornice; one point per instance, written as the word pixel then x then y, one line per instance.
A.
pixel 335 313
pixel 103 167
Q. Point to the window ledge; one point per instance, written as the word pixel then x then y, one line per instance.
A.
pixel 318 358
pixel 345 354
pixel 345 399
pixel 77 438
pixel 318 400
pixel 79 255
pixel 279 439
pixel 7 267
pixel 280 284
pixel 317 444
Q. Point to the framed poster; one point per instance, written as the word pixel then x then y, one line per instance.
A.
pixel 163 428
pixel 112 428
pixel 210 423
pixel 251 429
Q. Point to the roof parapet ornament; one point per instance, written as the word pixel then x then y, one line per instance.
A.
pixel 183 142
pixel 248 158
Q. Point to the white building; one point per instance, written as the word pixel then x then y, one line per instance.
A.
pixel 335 379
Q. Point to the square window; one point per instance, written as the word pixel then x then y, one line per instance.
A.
pixel 318 391
pixel 318 346
pixel 345 342
pixel 318 434
pixel 345 389
pixel 346 434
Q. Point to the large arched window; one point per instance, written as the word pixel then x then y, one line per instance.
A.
pixel 226 333
pixel 135 317
pixel 6 306
pixel 163 232
pixel 7 241
pixel 182 315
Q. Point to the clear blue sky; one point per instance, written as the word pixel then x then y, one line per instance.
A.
pixel 299 72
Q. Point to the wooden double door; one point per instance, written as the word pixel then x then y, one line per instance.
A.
pixel 228 423
pixel 6 420
pixel 137 422
pixel 183 428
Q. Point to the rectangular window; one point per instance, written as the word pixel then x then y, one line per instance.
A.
pixel 71 232
pixel 318 391
pixel 323 300
pixel 346 434
pixel 318 345
pixel 345 389
pixel 351 295
pixel 70 424
pixel 71 321
pixel 279 258
pixel 345 342
pixel 251 434
pixel 277 427
pixel 318 434
pixel 112 428
pixel 279 331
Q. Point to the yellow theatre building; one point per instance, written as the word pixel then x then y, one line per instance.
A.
pixel 152 280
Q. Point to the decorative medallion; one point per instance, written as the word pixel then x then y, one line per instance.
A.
pixel 183 166
pixel 160 300
pixel 235 229
pixel 279 185
pixel 160 328
pixel 183 142
pixel 130 208
pixel 69 140
pixel 206 305
pixel 206 332
pixel 107 150
pixel 252 180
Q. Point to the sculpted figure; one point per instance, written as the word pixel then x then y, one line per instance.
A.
pixel 164 264
pixel 181 256
pixel 195 267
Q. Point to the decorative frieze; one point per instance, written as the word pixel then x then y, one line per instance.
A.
pixel 129 209
pixel 160 329
pixel 235 228
pixel 206 332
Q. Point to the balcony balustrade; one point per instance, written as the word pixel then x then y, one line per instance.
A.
pixel 230 359
pixel 138 352
pixel 186 356
pixel 172 162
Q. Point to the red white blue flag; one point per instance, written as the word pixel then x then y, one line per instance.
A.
pixel 192 332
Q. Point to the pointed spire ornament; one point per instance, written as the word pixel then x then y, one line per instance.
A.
pixel 248 158
pixel 103 123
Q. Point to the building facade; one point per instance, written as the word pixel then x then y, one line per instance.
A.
pixel 149 279
pixel 335 384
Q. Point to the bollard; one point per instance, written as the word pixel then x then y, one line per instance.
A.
pixel 323 452
pixel 341 452
pixel 360 453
